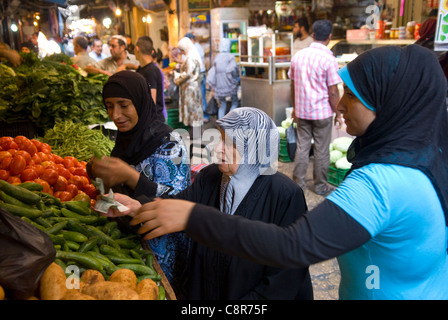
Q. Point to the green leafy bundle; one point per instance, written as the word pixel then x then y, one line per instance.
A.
pixel 50 90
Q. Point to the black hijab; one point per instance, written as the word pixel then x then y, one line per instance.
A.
pixel 408 88
pixel 139 143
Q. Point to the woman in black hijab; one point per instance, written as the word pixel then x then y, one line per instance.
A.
pixel 387 222
pixel 145 149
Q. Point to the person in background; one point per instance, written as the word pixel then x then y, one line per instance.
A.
pixel 145 149
pixel 118 59
pixel 189 81
pixel 223 78
pixel 301 32
pixel 245 184
pixel 129 45
pixel 97 50
pixel 82 59
pixel 387 221
pixel 12 56
pixel 315 95
pixel 144 51
pixel 198 46
pixel 158 57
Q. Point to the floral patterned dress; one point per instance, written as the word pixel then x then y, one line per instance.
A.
pixel 190 96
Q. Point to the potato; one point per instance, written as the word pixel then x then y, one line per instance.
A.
pixel 52 283
pixel 148 289
pixel 108 290
pixel 126 277
pixel 75 295
pixel 2 293
pixel 91 276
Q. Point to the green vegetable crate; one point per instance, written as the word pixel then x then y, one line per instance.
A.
pixel 283 155
pixel 173 118
pixel 335 176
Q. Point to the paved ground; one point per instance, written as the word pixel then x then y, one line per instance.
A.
pixel 325 275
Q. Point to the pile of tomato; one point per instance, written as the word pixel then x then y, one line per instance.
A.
pixel 25 160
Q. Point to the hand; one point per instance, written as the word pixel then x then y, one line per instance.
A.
pixel 114 171
pixel 338 121
pixel 132 204
pixel 163 216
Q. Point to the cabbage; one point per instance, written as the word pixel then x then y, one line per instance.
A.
pixel 286 123
pixel 335 155
pixel 343 163
pixel 342 143
pixel 282 132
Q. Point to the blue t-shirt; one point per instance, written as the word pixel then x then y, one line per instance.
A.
pixel 406 257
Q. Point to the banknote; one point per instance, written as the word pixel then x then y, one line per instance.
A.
pixel 106 201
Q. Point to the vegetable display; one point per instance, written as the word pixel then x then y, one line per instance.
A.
pixel 75 139
pixel 29 160
pixel 50 90
pixel 338 153
pixel 84 239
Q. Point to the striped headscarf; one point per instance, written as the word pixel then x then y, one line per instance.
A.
pixel 256 138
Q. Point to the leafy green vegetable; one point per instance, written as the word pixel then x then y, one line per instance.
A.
pixel 49 91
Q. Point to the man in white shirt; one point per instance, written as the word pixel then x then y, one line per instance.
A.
pixel 301 32
pixel 97 50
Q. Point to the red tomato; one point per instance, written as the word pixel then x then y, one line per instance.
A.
pixel 14 180
pixel 61 184
pixel 43 156
pixel 46 148
pixel 37 143
pixel 4 154
pixel 36 158
pixel 50 175
pixel 65 173
pixel 68 163
pixel 77 181
pixel 4 175
pixel 92 203
pixel 10 145
pixel 24 154
pixel 6 163
pixel 75 161
pixel 29 175
pixel 29 147
pixel 79 171
pixel 73 189
pixel 63 195
pixel 57 159
pixel 18 163
pixel 39 169
pixel 90 190
pixel 47 188
pixel 20 140
pixel 82 196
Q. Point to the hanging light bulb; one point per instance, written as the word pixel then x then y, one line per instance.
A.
pixel 148 19
pixel 14 27
pixel 118 12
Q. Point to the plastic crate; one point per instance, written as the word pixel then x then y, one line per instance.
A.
pixel 335 176
pixel 283 155
pixel 21 128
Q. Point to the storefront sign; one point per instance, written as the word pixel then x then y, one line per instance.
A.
pixel 441 38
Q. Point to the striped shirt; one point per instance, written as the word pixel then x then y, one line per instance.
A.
pixel 313 70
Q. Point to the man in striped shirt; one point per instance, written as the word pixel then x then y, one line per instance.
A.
pixel 315 95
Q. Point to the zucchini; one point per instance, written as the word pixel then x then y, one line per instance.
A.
pixel 43 222
pixel 21 211
pixel 57 239
pixel 82 258
pixel 38 226
pixel 122 260
pixel 108 250
pixel 72 245
pixel 104 238
pixel 32 186
pixel 156 277
pixel 83 219
pixel 19 193
pixel 74 236
pixel 56 228
pixel 88 244
pixel 138 268
pixel 77 208
pixel 11 200
pixel 75 225
pixel 108 265
pixel 126 243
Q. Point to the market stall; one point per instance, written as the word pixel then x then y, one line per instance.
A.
pixel 49 114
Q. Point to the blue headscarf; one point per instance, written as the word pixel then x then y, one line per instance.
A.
pixel 407 89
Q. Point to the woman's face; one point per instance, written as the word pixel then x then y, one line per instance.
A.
pixel 356 115
pixel 228 156
pixel 122 112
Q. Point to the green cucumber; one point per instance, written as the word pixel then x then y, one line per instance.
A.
pixel 19 193
pixel 137 268
pixel 74 236
pixel 21 211
pixel 32 186
pixel 11 200
pixel 88 244
pixel 83 219
pixel 104 238
pixel 76 207
pixel 121 260
pixel 56 228
pixel 82 258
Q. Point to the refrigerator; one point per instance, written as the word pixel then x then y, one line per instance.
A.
pixel 228 23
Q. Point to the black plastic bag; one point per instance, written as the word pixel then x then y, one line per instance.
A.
pixel 212 107
pixel 25 253
pixel 291 141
